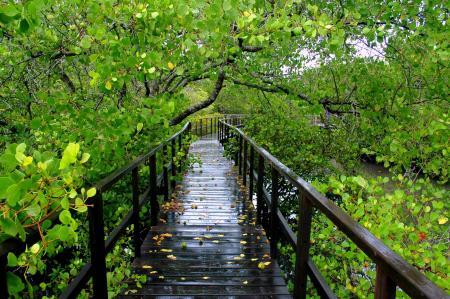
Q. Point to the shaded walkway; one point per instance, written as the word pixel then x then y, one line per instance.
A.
pixel 209 245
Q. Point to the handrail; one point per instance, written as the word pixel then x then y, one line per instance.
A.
pixel 391 271
pixel 210 124
pixel 96 268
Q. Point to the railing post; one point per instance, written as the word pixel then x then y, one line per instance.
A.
pixel 218 132
pixel 259 188
pixel 173 168
pixel 201 127
pixel 154 207
pixel 273 214
pixel 384 286
pixel 180 146
pixel 97 245
pixel 303 242
pixel 251 177
pixel 238 153
pixel 3 281
pixel 136 222
pixel 165 174
pixel 239 162
pixel 244 171
pixel 211 125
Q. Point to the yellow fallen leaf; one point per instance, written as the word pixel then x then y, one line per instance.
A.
pixel 205 277
pixel 147 267
pixel 170 65
pixel 442 220
pixel 166 250
pixel 161 277
pixel 153 272
pixel 245 282
pixel 131 291
pixel 242 255
pixel 171 257
pixel 183 279
pixel 254 259
pixel 221 236
pixel 216 241
pixel 243 242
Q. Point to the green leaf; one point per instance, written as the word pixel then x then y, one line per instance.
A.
pixel 9 11
pixel 15 284
pixel 80 206
pixel 91 192
pixel 24 26
pixel 361 181
pixel 35 248
pixel 139 126
pixel 65 217
pixel 8 161
pixel 33 210
pixel 21 148
pixel 85 42
pixel 69 155
pixel 5 182
pixel 84 158
pixel 12 260
pixel 8 226
pixel 13 195
pixel 227 5
pixel 65 204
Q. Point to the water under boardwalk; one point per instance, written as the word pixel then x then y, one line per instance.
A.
pixel 211 246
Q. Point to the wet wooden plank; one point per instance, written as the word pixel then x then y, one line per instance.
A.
pixel 210 246
pixel 213 290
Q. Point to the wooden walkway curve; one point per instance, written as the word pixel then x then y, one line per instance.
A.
pixel 209 245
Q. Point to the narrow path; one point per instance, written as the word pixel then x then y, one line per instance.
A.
pixel 210 245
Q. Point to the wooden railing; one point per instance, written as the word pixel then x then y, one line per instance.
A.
pixel 210 124
pixel 391 269
pixel 158 184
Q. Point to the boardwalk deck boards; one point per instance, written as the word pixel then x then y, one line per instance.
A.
pixel 212 248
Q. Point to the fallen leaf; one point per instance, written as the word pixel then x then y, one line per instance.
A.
pixel 147 267
pixel 171 257
pixel 263 265
pixel 183 245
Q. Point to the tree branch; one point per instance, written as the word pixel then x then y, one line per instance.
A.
pixel 274 89
pixel 212 97
pixel 248 48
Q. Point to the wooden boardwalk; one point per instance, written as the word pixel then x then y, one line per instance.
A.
pixel 209 245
